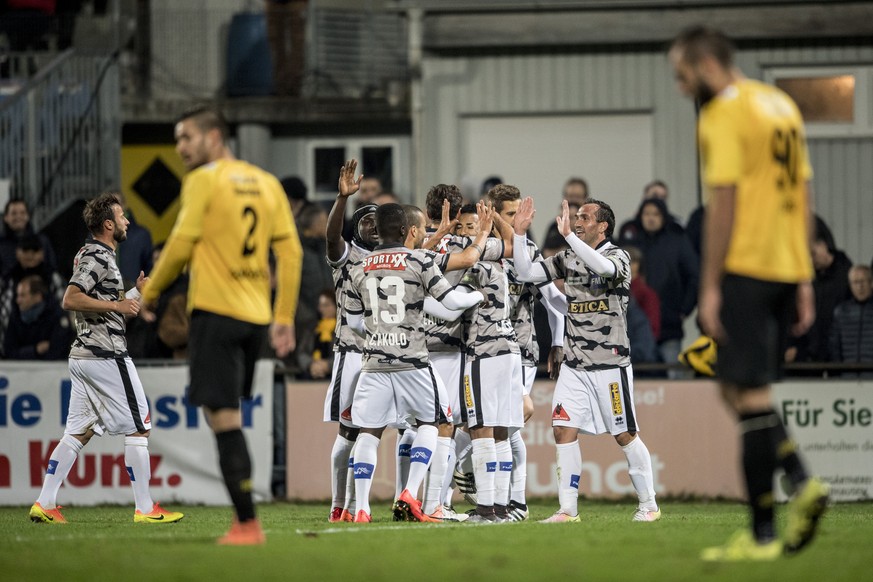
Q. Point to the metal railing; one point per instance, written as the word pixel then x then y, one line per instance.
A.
pixel 60 134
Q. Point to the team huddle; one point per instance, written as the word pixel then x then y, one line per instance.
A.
pixel 435 338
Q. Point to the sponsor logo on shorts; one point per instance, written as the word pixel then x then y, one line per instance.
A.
pixel 148 417
pixel 364 471
pixel 419 455
pixel 347 414
pixel 574 481
pixel 559 413
pixel 506 466
pixel 595 306
pixel 403 450
pixel 52 467
pixel 619 420
pixel 615 395
pixel 491 467
pixel 351 462
pixel 130 474
pixel 468 392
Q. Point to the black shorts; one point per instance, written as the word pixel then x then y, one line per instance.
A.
pixel 756 316
pixel 222 355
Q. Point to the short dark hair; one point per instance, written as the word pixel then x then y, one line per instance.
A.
pixel 468 209
pixel 29 242
pixel 98 210
pixel 436 195
pixel 329 293
pixel 295 188
pixel 413 213
pixel 503 193
pixel 604 214
pixel 207 118
pixel 391 222
pixel 698 41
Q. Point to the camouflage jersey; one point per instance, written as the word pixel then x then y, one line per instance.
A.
pixel 346 339
pixel 447 336
pixel 388 288
pixel 522 300
pixel 596 324
pixel 98 335
pixel 489 330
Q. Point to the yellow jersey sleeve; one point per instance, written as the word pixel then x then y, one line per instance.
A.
pixel 720 147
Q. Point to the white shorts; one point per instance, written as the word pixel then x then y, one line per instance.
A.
pixel 449 366
pixel 106 396
pixel 595 402
pixel 383 398
pixel 338 402
pixel 493 392
pixel 528 375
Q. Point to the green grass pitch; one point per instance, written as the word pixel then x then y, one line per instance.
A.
pixel 103 543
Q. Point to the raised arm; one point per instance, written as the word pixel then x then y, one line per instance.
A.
pixel 447 225
pixel 470 255
pixel 594 260
pixel 346 187
pixel 526 269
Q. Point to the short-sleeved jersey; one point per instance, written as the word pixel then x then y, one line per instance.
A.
pixel 522 300
pixel 98 335
pixel 489 330
pixel 595 336
pixel 233 210
pixel 751 136
pixel 388 288
pixel 346 339
pixel 447 336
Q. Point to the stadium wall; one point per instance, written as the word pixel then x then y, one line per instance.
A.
pixel 692 438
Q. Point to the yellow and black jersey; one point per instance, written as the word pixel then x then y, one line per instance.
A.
pixel 231 214
pixel 752 137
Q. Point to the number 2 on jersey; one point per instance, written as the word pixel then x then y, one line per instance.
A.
pixel 394 289
pixel 250 216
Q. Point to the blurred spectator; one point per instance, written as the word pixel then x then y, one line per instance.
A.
pixel 38 328
pixel 645 296
pixel 296 192
pixel 322 354
pixel 672 270
pixel 468 221
pixel 851 336
pixel 317 275
pixel 489 183
pixel 27 23
pixel 29 260
pixel 370 188
pixel 575 193
pixel 643 346
pixel 386 198
pixel 16 225
pixel 134 254
pixel 173 320
pixel 654 190
pixel 831 285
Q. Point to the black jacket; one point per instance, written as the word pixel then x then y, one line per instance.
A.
pixel 52 324
pixel 851 337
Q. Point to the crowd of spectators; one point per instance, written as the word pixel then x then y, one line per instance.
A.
pixel 664 263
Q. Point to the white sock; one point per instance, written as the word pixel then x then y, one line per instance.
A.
pixel 639 467
pixel 519 468
pixel 484 459
pixel 504 471
pixel 463 450
pixel 59 465
pixel 419 457
pixel 366 455
pixel 349 501
pixel 139 468
pixel 569 470
pixel 437 474
pixel 339 468
pixel 404 444
pixel 447 491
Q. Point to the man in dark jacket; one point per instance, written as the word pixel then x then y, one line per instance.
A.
pixel 16 226
pixel 39 328
pixel 831 285
pixel 672 270
pixel 851 337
